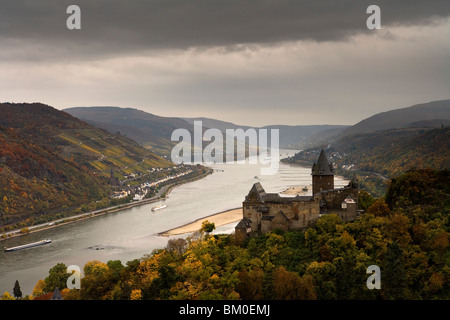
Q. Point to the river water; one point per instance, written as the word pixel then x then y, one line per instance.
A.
pixel 131 233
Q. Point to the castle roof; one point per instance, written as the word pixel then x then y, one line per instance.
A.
pixel 243 224
pixel 322 167
pixel 257 191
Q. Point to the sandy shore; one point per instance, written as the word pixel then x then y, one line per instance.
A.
pixel 219 219
pixel 298 191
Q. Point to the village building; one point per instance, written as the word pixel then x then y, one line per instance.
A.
pixel 264 212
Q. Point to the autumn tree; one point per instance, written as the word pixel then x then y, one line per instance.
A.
pixel 207 227
pixel 7 296
pixel 39 288
pixel 379 208
pixel 290 286
pixel 97 281
pixel 250 286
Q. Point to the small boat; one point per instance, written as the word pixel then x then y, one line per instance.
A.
pixel 29 245
pixel 161 206
pixel 305 189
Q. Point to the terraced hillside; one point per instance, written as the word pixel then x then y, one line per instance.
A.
pixel 51 163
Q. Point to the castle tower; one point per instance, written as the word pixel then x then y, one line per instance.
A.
pixel 322 174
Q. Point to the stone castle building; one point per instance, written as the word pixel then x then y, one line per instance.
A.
pixel 264 212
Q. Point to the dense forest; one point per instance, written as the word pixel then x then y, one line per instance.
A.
pixel 406 233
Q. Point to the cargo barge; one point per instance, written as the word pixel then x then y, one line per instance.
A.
pixel 29 245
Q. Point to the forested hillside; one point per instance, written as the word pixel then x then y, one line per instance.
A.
pixel 51 162
pixel 35 181
pixel 378 156
pixel 408 238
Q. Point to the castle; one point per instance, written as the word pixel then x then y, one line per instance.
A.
pixel 264 212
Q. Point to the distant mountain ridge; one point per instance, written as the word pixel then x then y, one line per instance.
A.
pixel 388 144
pixel 291 136
pixel 155 131
pixel 398 118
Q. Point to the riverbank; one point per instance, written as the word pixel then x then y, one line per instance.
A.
pixel 162 194
pixel 219 219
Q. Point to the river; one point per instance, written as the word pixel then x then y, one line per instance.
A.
pixel 131 233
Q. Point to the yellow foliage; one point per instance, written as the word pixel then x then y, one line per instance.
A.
pixel 148 269
pixel 7 296
pixel 38 288
pixel 96 268
pixel 186 290
pixel 347 240
pixel 136 294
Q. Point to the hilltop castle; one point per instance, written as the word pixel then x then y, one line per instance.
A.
pixel 264 212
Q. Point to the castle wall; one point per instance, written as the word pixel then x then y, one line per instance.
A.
pixel 335 197
pixel 265 217
pixel 348 214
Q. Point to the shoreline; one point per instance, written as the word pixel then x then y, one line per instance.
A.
pixel 100 212
pixel 219 219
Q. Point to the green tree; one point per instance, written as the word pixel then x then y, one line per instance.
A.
pixel 57 278
pixel 327 223
pixel 16 291
pixel 115 269
pixel 393 274
pixel 365 200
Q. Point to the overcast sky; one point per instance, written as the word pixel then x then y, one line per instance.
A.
pixel 251 62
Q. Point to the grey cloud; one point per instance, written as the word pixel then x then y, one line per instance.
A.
pixel 114 27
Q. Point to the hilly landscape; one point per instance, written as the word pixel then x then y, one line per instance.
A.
pixel 52 163
pixel 410 138
pixel 149 130
pixel 437 112
pixel 154 132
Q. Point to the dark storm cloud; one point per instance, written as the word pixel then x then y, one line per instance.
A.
pixel 111 27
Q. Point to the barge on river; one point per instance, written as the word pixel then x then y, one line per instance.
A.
pixel 29 245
